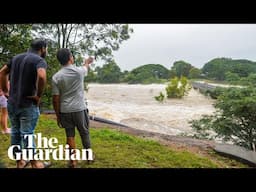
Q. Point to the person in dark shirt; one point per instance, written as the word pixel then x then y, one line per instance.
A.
pixel 27 75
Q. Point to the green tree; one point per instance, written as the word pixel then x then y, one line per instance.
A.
pixel 172 74
pixel 181 68
pixel 109 73
pixel 243 69
pixel 14 39
pixel 91 77
pixel 98 40
pixel 124 76
pixel 235 118
pixel 251 79
pixel 149 73
pixel 217 68
pixel 194 73
pixel 231 77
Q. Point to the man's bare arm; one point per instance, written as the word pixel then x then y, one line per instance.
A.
pixel 4 72
pixel 41 73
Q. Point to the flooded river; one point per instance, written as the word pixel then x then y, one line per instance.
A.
pixel 135 106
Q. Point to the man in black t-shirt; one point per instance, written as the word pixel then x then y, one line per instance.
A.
pixel 27 75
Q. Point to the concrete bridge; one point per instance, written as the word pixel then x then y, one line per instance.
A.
pixel 203 86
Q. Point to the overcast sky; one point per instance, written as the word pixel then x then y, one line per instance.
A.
pixel 194 43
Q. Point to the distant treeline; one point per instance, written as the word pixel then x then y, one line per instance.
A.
pixel 219 69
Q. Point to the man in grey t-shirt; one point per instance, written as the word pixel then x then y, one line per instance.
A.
pixel 69 100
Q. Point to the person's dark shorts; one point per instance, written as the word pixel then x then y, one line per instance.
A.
pixel 75 119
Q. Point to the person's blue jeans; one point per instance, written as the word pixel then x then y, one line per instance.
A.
pixel 23 122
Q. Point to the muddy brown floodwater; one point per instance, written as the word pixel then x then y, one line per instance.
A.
pixel 135 106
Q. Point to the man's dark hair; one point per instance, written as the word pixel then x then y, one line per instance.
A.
pixel 38 44
pixel 63 55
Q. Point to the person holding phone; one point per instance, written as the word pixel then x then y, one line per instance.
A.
pixel 69 100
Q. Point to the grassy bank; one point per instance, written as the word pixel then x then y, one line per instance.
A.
pixel 114 149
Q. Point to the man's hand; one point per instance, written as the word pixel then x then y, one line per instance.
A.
pixel 58 121
pixel 35 98
pixel 88 61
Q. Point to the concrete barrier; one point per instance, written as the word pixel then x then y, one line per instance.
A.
pixel 93 118
pixel 237 152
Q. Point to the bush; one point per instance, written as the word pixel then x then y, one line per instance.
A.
pixel 160 97
pixel 235 118
pixel 215 93
pixel 177 88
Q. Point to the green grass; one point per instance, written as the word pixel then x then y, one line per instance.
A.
pixel 114 149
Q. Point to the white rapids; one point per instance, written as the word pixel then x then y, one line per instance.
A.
pixel 135 106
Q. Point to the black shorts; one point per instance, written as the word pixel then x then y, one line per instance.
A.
pixel 75 119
